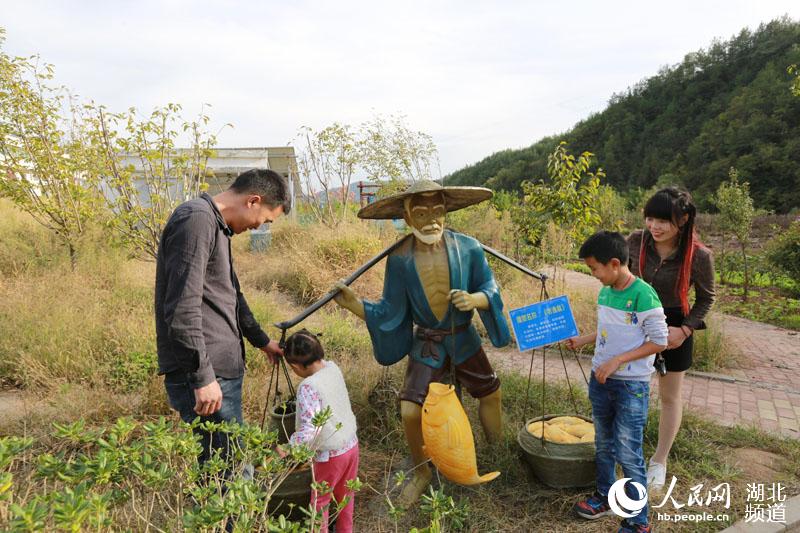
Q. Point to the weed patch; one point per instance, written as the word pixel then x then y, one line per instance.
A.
pixel 764 304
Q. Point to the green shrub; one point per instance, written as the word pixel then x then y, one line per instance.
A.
pixel 130 371
pixel 135 476
pixel 612 208
pixel 784 251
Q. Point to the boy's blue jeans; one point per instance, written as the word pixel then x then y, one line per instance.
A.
pixel 619 410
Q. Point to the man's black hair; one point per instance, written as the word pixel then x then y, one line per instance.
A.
pixel 268 184
pixel 605 246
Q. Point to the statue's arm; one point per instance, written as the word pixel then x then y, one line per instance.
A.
pixel 483 282
pixel 466 301
pixel 347 298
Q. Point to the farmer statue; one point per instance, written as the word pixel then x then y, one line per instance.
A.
pixel 433 283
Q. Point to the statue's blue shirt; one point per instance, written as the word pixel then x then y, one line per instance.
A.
pixel 391 320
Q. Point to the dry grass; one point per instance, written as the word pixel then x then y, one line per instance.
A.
pixel 307 261
pixel 57 325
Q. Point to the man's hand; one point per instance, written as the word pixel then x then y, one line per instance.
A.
pixel 273 351
pixel 675 337
pixel 208 399
pixel 606 369
pixel 465 301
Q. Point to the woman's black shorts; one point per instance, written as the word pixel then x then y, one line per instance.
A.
pixel 679 359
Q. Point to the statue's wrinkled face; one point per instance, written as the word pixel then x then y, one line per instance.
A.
pixel 424 213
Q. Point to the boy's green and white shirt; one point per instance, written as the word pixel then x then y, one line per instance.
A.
pixel 627 319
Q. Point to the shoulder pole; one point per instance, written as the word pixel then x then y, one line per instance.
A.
pixel 329 296
pixel 538 275
pixel 369 264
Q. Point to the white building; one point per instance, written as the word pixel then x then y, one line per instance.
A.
pixel 228 163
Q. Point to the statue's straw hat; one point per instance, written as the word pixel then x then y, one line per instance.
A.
pixel 455 198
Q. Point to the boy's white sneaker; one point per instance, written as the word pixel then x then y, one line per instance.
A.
pixel 656 475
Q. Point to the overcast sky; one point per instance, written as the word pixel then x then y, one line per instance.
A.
pixel 477 76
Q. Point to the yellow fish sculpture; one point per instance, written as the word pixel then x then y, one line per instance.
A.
pixel 448 437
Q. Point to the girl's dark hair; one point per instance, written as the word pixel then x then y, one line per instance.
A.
pixel 303 348
pixel 673 204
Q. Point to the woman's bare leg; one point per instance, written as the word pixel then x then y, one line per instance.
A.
pixel 669 422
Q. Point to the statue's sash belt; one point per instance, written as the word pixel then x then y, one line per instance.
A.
pixel 435 336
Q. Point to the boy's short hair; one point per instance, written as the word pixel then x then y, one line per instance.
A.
pixel 268 184
pixel 605 246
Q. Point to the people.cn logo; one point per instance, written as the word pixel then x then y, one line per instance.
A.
pixel 621 504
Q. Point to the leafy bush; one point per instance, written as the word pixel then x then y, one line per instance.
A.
pixel 135 476
pixel 130 371
pixel 567 198
pixel 612 209
pixel 784 252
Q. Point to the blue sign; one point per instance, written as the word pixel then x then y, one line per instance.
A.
pixel 543 323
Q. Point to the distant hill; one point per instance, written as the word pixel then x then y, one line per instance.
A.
pixel 729 105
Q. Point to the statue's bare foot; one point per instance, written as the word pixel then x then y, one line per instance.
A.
pixel 416 486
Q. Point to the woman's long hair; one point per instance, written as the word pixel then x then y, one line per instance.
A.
pixel 673 204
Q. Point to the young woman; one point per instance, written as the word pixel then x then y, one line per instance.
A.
pixel 668 255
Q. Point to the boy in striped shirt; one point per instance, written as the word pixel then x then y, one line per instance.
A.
pixel 631 329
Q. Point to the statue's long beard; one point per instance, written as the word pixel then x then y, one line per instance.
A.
pixel 430 239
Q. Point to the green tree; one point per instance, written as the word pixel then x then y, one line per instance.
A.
pixel 736 213
pixel 568 199
pixel 47 167
pixel 391 150
pixel 147 175
pixel 796 81
pixel 326 163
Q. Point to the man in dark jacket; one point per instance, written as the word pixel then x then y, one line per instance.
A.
pixel 201 313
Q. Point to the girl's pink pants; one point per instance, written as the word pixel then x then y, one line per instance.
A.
pixel 337 471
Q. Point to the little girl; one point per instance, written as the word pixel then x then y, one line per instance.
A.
pixel 335 443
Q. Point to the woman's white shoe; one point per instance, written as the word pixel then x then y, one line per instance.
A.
pixel 656 475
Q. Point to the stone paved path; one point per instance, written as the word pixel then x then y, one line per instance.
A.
pixel 763 389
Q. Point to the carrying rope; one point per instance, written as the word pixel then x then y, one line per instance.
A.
pixel 274 378
pixel 544 295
